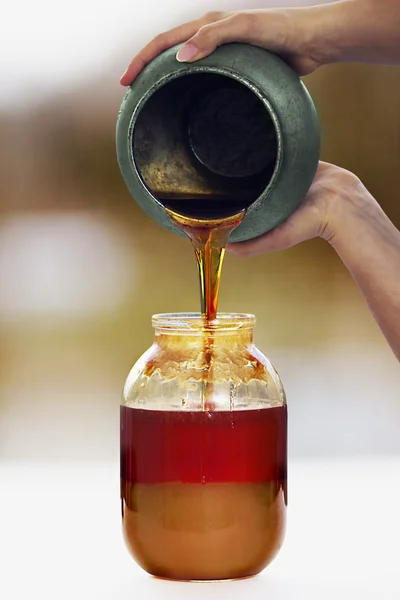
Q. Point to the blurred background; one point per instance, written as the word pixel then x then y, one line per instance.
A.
pixel 82 269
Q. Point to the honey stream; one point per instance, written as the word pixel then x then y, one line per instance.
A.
pixel 209 239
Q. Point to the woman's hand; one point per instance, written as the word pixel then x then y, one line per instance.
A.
pixel 306 37
pixel 283 31
pixel 340 209
pixel 334 193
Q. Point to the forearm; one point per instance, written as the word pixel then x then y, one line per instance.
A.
pixel 369 245
pixel 355 31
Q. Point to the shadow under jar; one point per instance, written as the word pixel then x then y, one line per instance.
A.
pixel 203 451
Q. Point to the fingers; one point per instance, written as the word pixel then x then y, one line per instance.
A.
pixel 164 41
pixel 160 43
pixel 238 27
pixel 276 30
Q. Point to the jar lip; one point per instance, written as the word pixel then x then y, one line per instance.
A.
pixel 194 322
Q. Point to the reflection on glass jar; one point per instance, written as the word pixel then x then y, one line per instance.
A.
pixel 203 451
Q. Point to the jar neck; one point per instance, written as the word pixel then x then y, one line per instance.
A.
pixel 191 328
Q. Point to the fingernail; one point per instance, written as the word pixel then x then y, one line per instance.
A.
pixel 187 52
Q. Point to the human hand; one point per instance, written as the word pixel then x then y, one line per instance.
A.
pixel 287 32
pixel 340 209
pixel 335 196
pixel 306 37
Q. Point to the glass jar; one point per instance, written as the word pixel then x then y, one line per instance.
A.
pixel 203 451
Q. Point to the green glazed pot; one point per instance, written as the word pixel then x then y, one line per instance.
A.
pixel 158 158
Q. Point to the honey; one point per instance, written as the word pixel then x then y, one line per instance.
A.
pixel 203 493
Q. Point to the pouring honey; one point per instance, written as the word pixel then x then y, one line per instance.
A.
pixel 223 149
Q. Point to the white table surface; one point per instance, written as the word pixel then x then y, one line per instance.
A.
pixel 60 537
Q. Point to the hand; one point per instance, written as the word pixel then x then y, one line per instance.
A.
pixel 335 195
pixel 340 209
pixel 286 32
pixel 306 37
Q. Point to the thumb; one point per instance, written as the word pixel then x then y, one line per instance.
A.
pixel 300 226
pixel 277 239
pixel 235 28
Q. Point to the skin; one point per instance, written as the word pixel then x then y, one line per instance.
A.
pixel 338 207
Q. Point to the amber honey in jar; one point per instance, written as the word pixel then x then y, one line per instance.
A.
pixel 203 451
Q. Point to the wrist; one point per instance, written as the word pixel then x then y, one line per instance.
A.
pixel 353 213
pixel 329 30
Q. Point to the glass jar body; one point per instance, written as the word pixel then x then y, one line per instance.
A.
pixel 203 453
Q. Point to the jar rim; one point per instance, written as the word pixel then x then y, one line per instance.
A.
pixel 194 322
